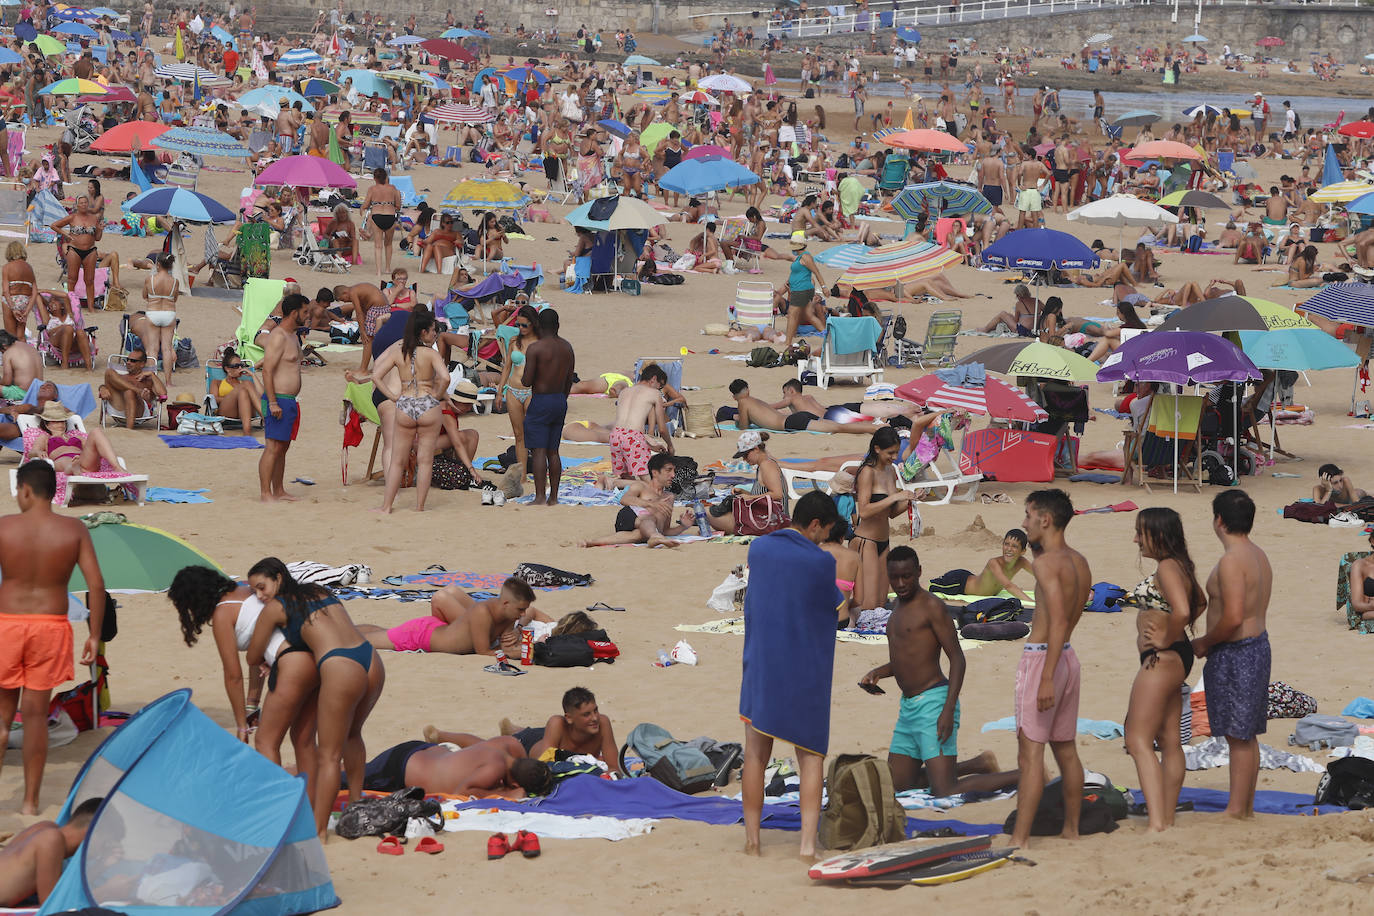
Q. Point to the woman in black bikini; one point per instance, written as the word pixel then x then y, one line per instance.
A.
pixel 879 498
pixel 80 230
pixel 350 671
pixel 382 204
pixel 1168 601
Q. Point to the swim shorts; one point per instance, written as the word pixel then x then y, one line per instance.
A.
pixel 544 418
pixel 916 734
pixel 286 428
pixel 954 582
pixel 797 421
pixel 1237 679
pixel 1060 721
pixel 387 771
pixel 993 192
pixel 1029 200
pixel 629 452
pixel 414 635
pixel 529 737
pixel 35 651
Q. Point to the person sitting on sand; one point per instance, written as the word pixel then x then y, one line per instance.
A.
pixel 752 446
pixel 646 510
pixel 1020 318
pixel 753 413
pixel 1334 487
pixel 31 863
pixel 460 625
pixel 495 768
pixel 1250 249
pixel 581 729
pixel 996 575
pixel 1362 584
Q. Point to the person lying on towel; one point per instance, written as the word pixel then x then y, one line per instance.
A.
pixel 31 863
pixel 751 413
pixel 496 767
pixel 460 625
pixel 996 575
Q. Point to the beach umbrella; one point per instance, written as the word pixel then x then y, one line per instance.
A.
pixel 1121 210
pixel 702 176
pixel 639 60
pixel 1362 129
pixel 1034 359
pixel 219 34
pixel 401 75
pixel 458 113
pixel 304 172
pixel 73 86
pixel 525 74
pixel 700 98
pixel 941 198
pixel 1352 302
pixel 618 128
pixel 1331 168
pixel 359 118
pixel 1270 41
pixel 655 134
pixel 8 57
pixel 485 194
pixel 1196 38
pixel 925 140
pixel 76 30
pixel 317 88
pixel 72 13
pixel 455 33
pixel 1363 205
pixel 449 50
pixel 435 83
pixel 1163 149
pixel 705 150
pixel 273 96
pixel 654 95
pixel 724 82
pixel 995 398
pixel 1136 118
pixel 1206 110
pixel 367 82
pixel 1198 200
pixel 628 213
pixel 190 73
pixel 478 33
pixel 112 95
pixel 105 12
pixel 1234 313
pixel 48 46
pixel 1039 249
pixel 401 41
pixel 299 57
pixel 841 256
pixel 181 204
pixel 138 557
pixel 1342 192
pixel 899 262
pixel 131 134
pixel 909 35
pixel 201 141
pixel 1297 350
pixel 1098 38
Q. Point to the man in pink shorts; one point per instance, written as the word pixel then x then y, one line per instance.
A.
pixel 458 624
pixel 1047 678
pixel 637 407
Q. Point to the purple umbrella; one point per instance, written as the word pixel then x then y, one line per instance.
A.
pixel 1180 357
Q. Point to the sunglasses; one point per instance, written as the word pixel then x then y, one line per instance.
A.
pixel 231 367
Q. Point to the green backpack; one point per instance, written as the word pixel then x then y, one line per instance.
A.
pixel 862 808
pixel 763 357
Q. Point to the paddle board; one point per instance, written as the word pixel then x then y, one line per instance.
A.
pixel 880 860
pixel 955 868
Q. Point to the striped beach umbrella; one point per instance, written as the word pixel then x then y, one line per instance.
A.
pixel 939 198
pixel 359 118
pixel 842 256
pixel 995 398
pixel 190 73
pixel 457 113
pixel 273 95
pixel 73 86
pixel 299 57
pixel 485 194
pixel 1352 302
pixel 1341 192
pixel 316 87
pixel 201 141
pixel 180 203
pixel 900 262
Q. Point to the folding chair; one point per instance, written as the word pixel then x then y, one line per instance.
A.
pixel 923 477
pixel 228 271
pixel 375 155
pixel 14 213
pixel 214 374
pixel 111 415
pixel 182 177
pixel 406 185
pixel 358 400
pixel 817 480
pixel 753 304
pixel 1175 420
pixel 942 333
pixel 30 426
pixel 310 254
pixel 849 351
pixel 1110 131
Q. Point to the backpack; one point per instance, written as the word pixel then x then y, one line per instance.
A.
pixel 763 358
pixel 1106 598
pixel 575 650
pixel 186 354
pixel 1216 471
pixel 993 610
pixel 1317 731
pixel 379 816
pixel 1102 807
pixel 537 575
pixel 1348 782
pixel 861 809
pixel 1286 702
pixel 676 764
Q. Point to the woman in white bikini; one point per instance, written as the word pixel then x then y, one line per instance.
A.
pixel 511 395
pixel 381 205
pixel 65 331
pixel 160 291
pixel 81 230
pixel 631 163
pixel 17 289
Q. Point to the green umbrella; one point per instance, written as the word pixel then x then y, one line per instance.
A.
pixel 136 557
pixel 49 46
pixel 1034 359
pixel 655 134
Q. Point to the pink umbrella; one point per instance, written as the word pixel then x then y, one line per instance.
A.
pixel 996 398
pixel 461 114
pixel 705 150
pixel 305 172
pixel 1044 148
pixel 113 94
pixel 700 98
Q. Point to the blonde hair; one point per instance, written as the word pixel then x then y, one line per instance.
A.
pixel 14 251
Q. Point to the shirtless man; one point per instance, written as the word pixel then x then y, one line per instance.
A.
pixel 549 365
pixel 636 406
pixel 991 177
pixel 361 298
pixel 996 575
pixel 497 768
pixel 1333 486
pixel 1276 208
pixel 927 731
pixel 1029 201
pixel 581 729
pixel 1236 644
pixel 318 134
pixel 281 414
pixel 461 625
pixel 138 384
pixel 1047 679
pixel 31 863
pixel 20 363
pixel 289 121
pixel 646 510
pixel 755 414
pixel 38 550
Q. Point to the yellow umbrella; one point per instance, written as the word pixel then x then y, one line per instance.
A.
pixel 179 49
pixel 406 76
pixel 486 194
pixel 1341 192
pixel 909 123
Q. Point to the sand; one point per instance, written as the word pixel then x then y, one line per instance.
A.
pixel 1274 862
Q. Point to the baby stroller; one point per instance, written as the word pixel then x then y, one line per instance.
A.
pixel 80 130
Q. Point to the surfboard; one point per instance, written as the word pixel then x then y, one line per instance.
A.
pixel 954 868
pixel 895 857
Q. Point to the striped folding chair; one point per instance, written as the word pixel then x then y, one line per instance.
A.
pixel 753 304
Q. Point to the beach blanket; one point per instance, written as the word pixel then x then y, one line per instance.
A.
pixel 174 495
pixel 679 538
pixel 557 826
pixel 969 599
pixel 734 626
pixel 437 578
pixel 210 442
pixel 729 427
pixel 1267 801
pixel 358 592
pixel 1214 752
pixel 581 494
pixel 1105 729
pixel 1095 477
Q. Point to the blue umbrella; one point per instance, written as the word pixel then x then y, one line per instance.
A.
pixel 73 13
pixel 218 33
pixel 1297 349
pixel 9 57
pixel 478 33
pixel 1362 205
pixel 435 82
pixel 1352 302
pixel 181 204
pixel 455 33
pixel 105 11
pixel 120 35
pixel 273 95
pixel 906 33
pixel 622 130
pixel 299 57
pixel 702 176
pixel 401 41
pixel 1331 167
pixel 639 60
pixel 25 31
pixel 314 88
pixel 1039 249
pixel 75 28
pixel 943 198
pixel 201 141
pixel 842 256
pixel 367 82
pixel 525 74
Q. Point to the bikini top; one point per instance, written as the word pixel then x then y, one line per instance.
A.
pixel 517 357
pixel 1146 595
pixel 72 439
pixel 291 631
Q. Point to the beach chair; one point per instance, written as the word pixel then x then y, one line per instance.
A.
pixel 1173 420
pixel 260 297
pixel 924 477
pixel 358 401
pixel 942 333
pixel 406 185
pixel 182 177
pixel 849 351
pixel 799 482
pixel 1226 162
pixel 894 173
pixel 134 485
pixel 753 304
pixel 14 214
pixel 375 155
pixel 310 254
pixel 1109 130
pixel 52 355
pixel 102 283
pixel 112 415
pixel 214 374
pixel 227 271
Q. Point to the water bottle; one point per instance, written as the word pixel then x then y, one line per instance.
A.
pixel 664 660
pixel 703 526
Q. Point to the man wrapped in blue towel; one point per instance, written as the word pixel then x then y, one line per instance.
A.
pixel 789 656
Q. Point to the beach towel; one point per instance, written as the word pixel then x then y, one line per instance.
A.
pixel 580 494
pixel 174 495
pixel 557 826
pixel 1126 506
pixel 255 245
pixel 210 442
pixel 854 335
pixel 440 578
pixel 1267 801
pixel 358 592
pixel 1214 752
pixel 734 626
pixel 1360 708
pixel 1104 729
pixel 729 427
pixel 1093 477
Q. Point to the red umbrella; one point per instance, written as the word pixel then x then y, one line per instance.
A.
pixel 1362 129
pixel 123 137
pixel 442 47
pixel 458 113
pixel 113 94
pixel 1270 41
pixel 996 398
pixel 704 150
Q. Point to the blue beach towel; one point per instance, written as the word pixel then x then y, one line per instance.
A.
pixel 210 442
pixel 174 495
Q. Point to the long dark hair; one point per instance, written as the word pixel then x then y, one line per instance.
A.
pixel 530 314
pixel 194 592
pixel 421 319
pixel 295 597
pixel 883 438
pixel 1163 529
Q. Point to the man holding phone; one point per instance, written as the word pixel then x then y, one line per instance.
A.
pixel 926 735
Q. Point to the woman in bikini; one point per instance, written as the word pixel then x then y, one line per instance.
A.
pixel 556 144
pixel 1168 603
pixel 492 238
pixel 342 235
pixel 420 381
pixel 350 672
pixel 399 293
pixel 753 236
pixel 442 243
pixel 65 328
pixel 768 480
pixel 508 391
pixel 382 204
pixel 238 393
pixel 879 499
pixel 632 161
pixel 17 288
pixel 80 230
pixel 846 571
pixel 72 452
pixel 160 291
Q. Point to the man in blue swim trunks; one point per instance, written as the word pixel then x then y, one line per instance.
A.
pixel 924 743
pixel 549 364
pixel 281 414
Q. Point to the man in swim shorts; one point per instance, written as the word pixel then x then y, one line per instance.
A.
pixel 281 413
pixel 996 575
pixel 581 729
pixel 549 365
pixel 639 406
pixel 496 767
pixel 1236 644
pixel 754 413
pixel 1047 678
pixel 646 510
pixel 1027 178
pixel 460 625
pixel 927 731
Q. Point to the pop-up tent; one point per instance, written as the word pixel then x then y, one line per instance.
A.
pixel 193 822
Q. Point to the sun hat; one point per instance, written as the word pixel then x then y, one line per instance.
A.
pixel 462 391
pixel 798 240
pixel 748 441
pixel 54 412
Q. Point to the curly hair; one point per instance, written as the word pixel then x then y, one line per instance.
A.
pixel 194 592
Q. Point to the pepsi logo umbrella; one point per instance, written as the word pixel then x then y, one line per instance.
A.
pixel 181 204
pixel 1040 249
pixel 995 398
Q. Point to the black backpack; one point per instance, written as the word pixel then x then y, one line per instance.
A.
pixel 379 816
pixel 1102 808
pixel 537 575
pixel 569 650
pixel 1348 782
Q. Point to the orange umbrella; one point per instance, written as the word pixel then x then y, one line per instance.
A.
pixel 123 137
pixel 925 140
pixel 1163 149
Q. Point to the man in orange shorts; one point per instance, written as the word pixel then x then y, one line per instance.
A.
pixel 38 550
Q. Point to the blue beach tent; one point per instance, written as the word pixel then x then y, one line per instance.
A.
pixel 193 823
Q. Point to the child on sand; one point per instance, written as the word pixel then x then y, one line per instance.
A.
pixel 996 575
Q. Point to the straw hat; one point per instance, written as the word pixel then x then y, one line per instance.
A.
pixel 462 391
pixel 184 397
pixel 54 412
pixel 797 242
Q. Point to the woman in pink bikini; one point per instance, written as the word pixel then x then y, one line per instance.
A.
pixel 72 452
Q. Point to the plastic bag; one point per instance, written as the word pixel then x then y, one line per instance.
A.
pixel 727 597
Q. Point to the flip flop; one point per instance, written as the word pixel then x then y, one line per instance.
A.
pixel 603 606
pixel 430 845
pixel 390 846
pixel 507 669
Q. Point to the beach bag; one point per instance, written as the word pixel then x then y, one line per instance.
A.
pixel 861 809
pixel 1315 732
pixel 199 424
pixel 759 515
pixel 1105 598
pixel 1349 782
pixel 699 421
pixel 1096 816
pixel 116 299
pixel 450 474
pixel 567 650
pixel 379 816
pixel 763 358
pixel 676 764
pixel 1286 702
pixel 993 610
pixel 537 575
pixel 1002 629
pixel 345 333
pixel 685 475
pixel 186 354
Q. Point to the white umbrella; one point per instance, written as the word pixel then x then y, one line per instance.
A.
pixel 724 82
pixel 1098 38
pixel 1122 210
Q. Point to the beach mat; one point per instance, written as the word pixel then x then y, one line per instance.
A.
pixel 468 581
pixel 210 442
pixel 734 626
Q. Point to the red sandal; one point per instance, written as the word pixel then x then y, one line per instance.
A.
pixel 390 846
pixel 430 845
pixel 497 846
pixel 527 843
